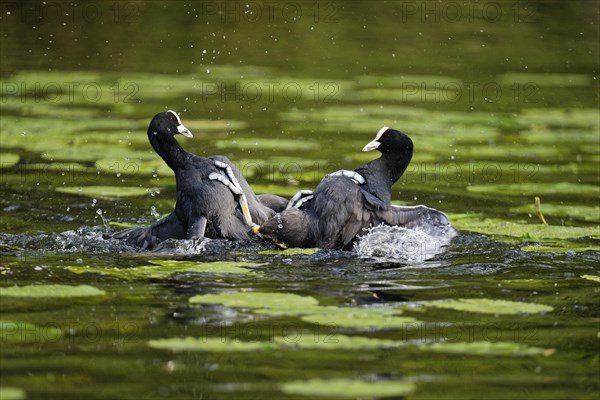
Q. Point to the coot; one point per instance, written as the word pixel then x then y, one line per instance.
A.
pixel 213 198
pixel 346 202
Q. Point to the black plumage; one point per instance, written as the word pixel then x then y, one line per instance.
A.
pixel 205 207
pixel 345 204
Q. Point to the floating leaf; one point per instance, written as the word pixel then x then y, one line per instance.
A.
pixel 545 80
pixel 404 80
pixel 257 300
pixel 492 226
pixel 266 144
pixel 105 192
pixel 487 348
pixel 488 306
pixel 165 268
pixel 58 291
pixel 134 166
pixel 560 247
pixel 594 278
pixel 11 331
pixel 353 319
pixel 122 225
pixel 12 393
pixel 66 167
pixel 527 284
pixel 290 252
pixel 213 124
pixel 322 341
pixel 587 213
pixel 532 189
pixel 347 388
pixel 208 344
pixel 8 160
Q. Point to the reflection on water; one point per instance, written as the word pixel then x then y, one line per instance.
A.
pixel 500 100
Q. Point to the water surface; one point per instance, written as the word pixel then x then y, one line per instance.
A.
pixel 500 100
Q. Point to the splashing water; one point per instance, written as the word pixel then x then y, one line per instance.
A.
pixel 395 243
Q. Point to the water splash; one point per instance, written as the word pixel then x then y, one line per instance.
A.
pixel 395 243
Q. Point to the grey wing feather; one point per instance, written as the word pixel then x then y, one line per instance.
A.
pixel 259 212
pixel 274 202
pixel 341 212
pixel 429 220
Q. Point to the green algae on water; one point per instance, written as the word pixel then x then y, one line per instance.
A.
pixel 51 291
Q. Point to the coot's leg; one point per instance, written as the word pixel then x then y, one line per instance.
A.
pixel 196 230
pixel 301 197
pixel 355 176
pixel 232 183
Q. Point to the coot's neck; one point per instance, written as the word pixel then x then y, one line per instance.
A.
pixel 396 164
pixel 167 148
pixel 383 172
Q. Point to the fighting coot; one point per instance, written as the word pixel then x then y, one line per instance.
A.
pixel 346 202
pixel 213 198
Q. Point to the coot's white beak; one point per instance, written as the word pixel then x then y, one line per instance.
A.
pixel 374 144
pixel 180 128
pixel 184 131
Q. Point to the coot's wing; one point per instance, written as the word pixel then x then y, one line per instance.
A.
pixel 208 206
pixel 341 211
pixel 429 220
pixel 259 212
pixel 274 202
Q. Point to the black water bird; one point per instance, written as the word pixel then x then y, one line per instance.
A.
pixel 213 198
pixel 345 203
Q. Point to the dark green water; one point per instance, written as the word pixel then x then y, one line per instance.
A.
pixel 500 99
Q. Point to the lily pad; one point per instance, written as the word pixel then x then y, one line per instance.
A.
pixel 55 291
pixel 257 300
pixel 266 144
pixel 105 192
pixel 12 393
pixel 587 213
pixel 560 247
pixel 516 229
pixel 559 117
pixel 595 278
pixel 134 166
pixel 165 268
pixel 213 124
pixel 489 306
pixel 11 331
pixel 321 341
pixel 290 252
pixel 532 189
pixel 410 94
pixel 403 80
pixel 347 388
pixel 62 168
pixel 208 344
pixel 487 348
pixel 526 284
pixel 352 319
pixel 8 160
pixel 546 80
